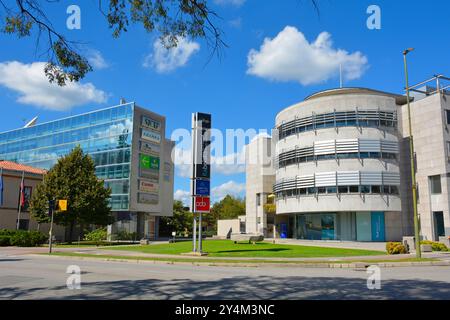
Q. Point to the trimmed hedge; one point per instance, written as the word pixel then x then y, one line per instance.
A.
pixel 395 248
pixel 435 246
pixel 21 238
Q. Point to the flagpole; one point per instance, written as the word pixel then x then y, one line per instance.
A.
pixel 1 186
pixel 20 200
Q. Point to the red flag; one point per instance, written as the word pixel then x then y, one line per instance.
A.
pixel 22 195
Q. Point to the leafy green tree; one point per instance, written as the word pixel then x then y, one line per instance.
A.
pixel 171 19
pixel 180 222
pixel 73 178
pixel 228 208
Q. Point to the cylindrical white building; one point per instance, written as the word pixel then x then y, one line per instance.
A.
pixel 337 166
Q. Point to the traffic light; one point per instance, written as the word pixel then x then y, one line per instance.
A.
pixel 51 206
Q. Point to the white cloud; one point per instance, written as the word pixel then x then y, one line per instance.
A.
pixel 166 60
pixel 96 60
pixel 183 196
pixel 231 188
pixel 290 57
pixel 30 82
pixel 235 3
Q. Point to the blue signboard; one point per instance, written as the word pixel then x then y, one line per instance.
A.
pixel 202 187
pixel 378 233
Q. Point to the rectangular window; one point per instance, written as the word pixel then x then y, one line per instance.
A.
pixel 435 184
pixel 258 199
pixel 448 150
pixel 365 189
pixel 447 116
pixel 376 189
pixel 354 189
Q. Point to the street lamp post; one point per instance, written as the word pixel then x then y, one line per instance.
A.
pixel 411 156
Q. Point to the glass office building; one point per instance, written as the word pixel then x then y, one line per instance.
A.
pixel 118 139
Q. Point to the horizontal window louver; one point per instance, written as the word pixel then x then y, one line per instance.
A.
pixel 391 178
pixel 305 181
pixel 371 178
pixel 346 118
pixel 341 178
pixel 346 145
pixel 389 146
pixel 324 147
pixel 366 145
pixel 348 178
pixel 325 179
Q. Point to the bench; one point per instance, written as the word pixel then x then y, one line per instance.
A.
pixel 250 238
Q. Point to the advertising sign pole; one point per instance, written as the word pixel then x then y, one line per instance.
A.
pixel 200 232
pixel 201 173
pixel 194 235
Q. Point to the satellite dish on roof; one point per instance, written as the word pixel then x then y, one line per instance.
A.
pixel 31 123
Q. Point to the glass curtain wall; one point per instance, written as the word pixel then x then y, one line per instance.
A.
pixel 104 134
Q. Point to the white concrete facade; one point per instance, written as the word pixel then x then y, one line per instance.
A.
pixel 260 178
pixel 431 136
pixel 341 161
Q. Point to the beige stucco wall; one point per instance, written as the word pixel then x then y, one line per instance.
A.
pixel 9 212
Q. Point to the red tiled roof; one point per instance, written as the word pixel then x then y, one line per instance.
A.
pixel 9 165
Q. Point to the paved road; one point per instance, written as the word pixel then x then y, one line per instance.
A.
pixel 34 277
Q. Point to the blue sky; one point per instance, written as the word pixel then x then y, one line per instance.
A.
pixel 239 91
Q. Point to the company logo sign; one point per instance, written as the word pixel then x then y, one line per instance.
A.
pixel 150 123
pixel 147 186
pixel 149 174
pixel 147 147
pixel 202 145
pixel 202 204
pixel 151 136
pixel 146 198
pixel 149 162
pixel 202 187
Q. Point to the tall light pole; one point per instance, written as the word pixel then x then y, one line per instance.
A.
pixel 411 156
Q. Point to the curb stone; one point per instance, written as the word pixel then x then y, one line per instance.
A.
pixel 356 265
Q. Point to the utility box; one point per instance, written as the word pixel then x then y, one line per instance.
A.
pixel 410 242
pixel 445 240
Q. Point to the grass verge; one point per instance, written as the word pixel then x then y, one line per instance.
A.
pixel 227 248
pixel 233 262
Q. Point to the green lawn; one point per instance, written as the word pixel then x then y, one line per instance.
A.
pixel 227 248
pixel 236 262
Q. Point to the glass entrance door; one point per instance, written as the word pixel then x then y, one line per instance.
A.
pixel 378 233
pixel 439 229
pixel 328 223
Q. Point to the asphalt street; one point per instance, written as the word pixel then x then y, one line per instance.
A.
pixel 41 277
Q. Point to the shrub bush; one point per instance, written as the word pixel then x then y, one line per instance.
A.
pixel 435 246
pixel 125 235
pixel 22 238
pixel 96 236
pixel 5 241
pixel 5 237
pixel 395 248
